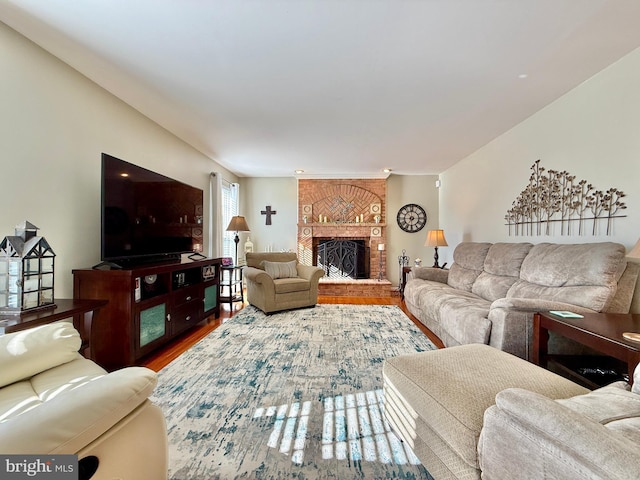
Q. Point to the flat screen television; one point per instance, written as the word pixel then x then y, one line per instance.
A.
pixel 146 216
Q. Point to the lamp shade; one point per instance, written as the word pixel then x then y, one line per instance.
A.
pixel 435 238
pixel 238 224
pixel 634 253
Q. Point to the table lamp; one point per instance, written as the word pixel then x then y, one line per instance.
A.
pixel 435 238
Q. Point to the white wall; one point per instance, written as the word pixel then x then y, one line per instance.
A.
pixel 403 189
pixel 54 125
pixel 593 132
pixel 281 193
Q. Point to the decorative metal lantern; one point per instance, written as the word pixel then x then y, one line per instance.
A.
pixel 26 271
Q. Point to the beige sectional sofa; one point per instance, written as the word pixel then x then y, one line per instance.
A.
pixel 491 291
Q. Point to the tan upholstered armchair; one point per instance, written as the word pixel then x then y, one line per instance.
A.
pixel 276 281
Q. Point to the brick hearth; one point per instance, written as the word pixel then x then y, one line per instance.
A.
pixel 356 288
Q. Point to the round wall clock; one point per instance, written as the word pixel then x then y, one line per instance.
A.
pixel 412 218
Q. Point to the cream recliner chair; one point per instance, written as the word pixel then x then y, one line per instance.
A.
pixel 276 281
pixel 54 401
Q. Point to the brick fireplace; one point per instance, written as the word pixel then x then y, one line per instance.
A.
pixel 349 209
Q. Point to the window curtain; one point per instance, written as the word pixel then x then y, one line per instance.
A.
pixel 216 229
pixel 224 197
pixel 230 195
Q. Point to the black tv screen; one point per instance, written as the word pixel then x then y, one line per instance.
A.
pixel 147 216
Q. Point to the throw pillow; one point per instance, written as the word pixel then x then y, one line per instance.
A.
pixel 281 269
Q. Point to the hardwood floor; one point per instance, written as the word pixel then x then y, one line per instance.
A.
pixel 171 351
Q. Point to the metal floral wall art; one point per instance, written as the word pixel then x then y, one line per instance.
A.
pixel 554 197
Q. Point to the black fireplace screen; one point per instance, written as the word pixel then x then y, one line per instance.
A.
pixel 343 258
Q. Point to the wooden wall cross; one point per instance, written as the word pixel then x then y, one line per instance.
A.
pixel 268 212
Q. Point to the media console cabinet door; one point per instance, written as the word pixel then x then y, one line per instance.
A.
pixel 210 297
pixel 151 326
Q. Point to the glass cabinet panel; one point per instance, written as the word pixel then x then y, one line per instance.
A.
pixel 152 323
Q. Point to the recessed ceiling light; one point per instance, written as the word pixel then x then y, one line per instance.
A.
pixel 386 170
pixel 124 174
pixel 523 75
pixel 298 172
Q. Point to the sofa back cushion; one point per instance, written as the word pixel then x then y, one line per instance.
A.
pixel 580 274
pixel 256 259
pixel 501 270
pixel 468 261
pixel 25 353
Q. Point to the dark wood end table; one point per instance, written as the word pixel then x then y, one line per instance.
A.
pixel 599 331
pixel 231 284
pixel 83 313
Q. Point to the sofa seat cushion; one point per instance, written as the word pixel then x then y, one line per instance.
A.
pixel 463 316
pixel 63 409
pixel 613 406
pixel 289 285
pixel 415 289
pixel 20 397
pixel 450 389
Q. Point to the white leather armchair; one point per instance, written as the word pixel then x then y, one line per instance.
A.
pixel 54 401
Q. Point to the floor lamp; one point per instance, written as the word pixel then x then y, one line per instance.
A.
pixel 435 238
pixel 237 224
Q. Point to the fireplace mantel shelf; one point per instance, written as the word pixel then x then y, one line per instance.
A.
pixel 343 224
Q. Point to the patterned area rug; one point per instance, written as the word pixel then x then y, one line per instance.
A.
pixel 291 395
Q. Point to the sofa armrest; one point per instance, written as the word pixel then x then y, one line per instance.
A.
pixel 512 322
pixel 78 415
pixel 536 435
pixel 256 275
pixel 309 272
pixel 537 305
pixel 429 273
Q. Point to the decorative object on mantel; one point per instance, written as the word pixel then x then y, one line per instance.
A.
pixel 417 262
pixel 26 271
pixel 556 197
pixel 380 264
pixel 268 212
pixel 435 238
pixel 237 224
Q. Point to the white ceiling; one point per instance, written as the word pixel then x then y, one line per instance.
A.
pixel 333 87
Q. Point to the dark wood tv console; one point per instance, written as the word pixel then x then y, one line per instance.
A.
pixel 148 306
